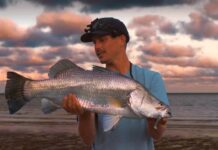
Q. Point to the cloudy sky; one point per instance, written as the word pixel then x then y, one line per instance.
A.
pixel 178 38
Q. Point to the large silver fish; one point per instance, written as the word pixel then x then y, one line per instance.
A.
pixel 97 90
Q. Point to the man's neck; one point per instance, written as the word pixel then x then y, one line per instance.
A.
pixel 121 65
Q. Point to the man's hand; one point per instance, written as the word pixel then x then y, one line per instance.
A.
pixel 86 119
pixel 72 105
pixel 161 126
pixel 152 121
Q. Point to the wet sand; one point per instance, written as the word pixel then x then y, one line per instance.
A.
pixel 189 135
pixel 40 136
pixel 40 141
pixel 179 143
pixel 65 137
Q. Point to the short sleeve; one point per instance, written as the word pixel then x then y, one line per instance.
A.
pixel 158 89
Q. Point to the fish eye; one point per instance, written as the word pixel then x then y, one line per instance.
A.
pixel 161 104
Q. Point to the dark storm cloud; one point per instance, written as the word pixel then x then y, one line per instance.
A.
pixel 53 3
pixel 35 38
pixel 96 5
pixel 5 3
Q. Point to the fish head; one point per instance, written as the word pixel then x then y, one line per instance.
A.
pixel 163 110
pixel 160 107
pixel 144 104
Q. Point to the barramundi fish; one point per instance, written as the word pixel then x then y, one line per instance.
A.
pixel 98 90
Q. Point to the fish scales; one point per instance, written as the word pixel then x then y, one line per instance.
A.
pixel 97 90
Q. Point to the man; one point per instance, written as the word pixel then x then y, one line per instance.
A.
pixel 110 38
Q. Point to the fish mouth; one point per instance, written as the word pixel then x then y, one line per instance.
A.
pixel 164 108
pixel 168 112
pixel 165 111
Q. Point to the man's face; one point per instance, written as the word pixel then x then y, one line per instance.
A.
pixel 107 48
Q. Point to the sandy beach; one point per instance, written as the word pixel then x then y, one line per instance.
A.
pixel 27 136
pixel 189 137
pixel 40 135
pixel 41 141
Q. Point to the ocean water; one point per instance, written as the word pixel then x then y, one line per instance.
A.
pixel 202 106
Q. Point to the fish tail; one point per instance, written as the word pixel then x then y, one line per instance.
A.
pixel 14 91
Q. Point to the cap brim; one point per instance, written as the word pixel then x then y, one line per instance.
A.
pixel 87 37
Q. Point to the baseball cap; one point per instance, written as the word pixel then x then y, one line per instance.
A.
pixel 104 26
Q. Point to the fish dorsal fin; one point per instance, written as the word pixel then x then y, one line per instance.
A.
pixel 62 66
pixel 103 70
pixel 99 69
pixel 109 122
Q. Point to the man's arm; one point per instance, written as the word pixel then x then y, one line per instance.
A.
pixel 87 128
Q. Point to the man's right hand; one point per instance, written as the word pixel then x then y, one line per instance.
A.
pixel 72 105
pixel 87 128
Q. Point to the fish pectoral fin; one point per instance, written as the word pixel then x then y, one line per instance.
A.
pixel 47 106
pixel 115 102
pixel 110 122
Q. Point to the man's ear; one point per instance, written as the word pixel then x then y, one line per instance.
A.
pixel 123 38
